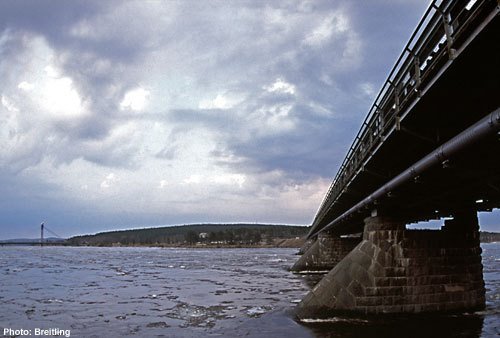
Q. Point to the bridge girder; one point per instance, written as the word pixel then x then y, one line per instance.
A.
pixel 463 88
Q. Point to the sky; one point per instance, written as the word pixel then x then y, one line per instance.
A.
pixel 125 114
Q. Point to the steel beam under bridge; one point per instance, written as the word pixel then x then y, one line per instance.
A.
pixel 484 130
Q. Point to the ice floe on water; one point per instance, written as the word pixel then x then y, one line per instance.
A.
pixel 175 292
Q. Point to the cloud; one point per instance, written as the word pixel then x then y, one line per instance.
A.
pixel 143 113
pixel 281 86
pixel 135 99
pixel 231 179
pixel 334 24
pixel 219 102
pixel 193 179
pixel 9 105
pixel 163 184
pixel 59 97
pixel 26 86
pixel 109 181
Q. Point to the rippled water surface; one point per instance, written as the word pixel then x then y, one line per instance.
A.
pixel 150 292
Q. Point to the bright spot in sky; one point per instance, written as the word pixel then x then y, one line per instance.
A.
pixel 26 86
pixel 220 102
pixel 135 99
pixel 281 86
pixel 110 179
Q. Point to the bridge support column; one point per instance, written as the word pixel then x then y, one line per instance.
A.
pixel 303 249
pixel 394 270
pixel 326 252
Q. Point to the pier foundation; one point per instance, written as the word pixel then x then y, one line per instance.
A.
pixel 303 249
pixel 395 270
pixel 326 252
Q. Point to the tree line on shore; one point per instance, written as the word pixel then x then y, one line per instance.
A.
pixel 489 237
pixel 217 234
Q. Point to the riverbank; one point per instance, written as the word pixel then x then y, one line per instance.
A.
pixel 277 243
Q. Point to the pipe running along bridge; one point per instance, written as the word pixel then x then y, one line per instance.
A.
pixel 429 148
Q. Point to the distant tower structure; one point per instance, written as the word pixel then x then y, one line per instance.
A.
pixel 41 234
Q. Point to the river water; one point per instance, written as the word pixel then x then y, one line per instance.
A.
pixel 158 292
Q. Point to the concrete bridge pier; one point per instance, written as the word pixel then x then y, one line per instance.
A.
pixel 326 252
pixel 395 270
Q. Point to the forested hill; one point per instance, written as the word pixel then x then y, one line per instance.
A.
pixel 488 237
pixel 214 234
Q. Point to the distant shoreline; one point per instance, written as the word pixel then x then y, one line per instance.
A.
pixel 202 236
pixel 173 246
pixel 293 243
pixel 489 237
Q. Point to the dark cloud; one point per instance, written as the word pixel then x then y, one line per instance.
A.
pixel 271 92
pixel 46 16
pixel 55 20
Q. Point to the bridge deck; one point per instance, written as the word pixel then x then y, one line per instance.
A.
pixel 465 90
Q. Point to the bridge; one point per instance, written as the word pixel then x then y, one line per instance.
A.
pixel 41 242
pixel 428 149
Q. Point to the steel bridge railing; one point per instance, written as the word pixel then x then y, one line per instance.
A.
pixel 444 27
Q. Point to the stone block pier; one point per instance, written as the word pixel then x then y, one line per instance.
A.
pixel 396 270
pixel 325 253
